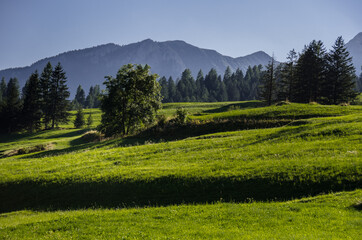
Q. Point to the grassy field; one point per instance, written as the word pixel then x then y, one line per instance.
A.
pixel 244 152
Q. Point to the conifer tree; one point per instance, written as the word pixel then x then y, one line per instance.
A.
pixel 59 92
pixel 2 93
pixel 340 82
pixel 45 94
pixel 164 89
pixel 79 118
pixel 12 108
pixel 171 89
pixel 31 112
pixel 80 96
pixel 286 85
pixel 89 120
pixel 268 87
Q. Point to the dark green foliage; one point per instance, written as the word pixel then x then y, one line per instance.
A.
pixel 181 116
pixel 171 90
pixel 46 97
pixel 131 100
pixel 164 89
pixel 268 83
pixel 359 83
pixel 80 96
pixel 186 87
pixel 93 98
pixel 340 81
pixel 10 114
pixel 31 112
pixel 287 77
pixel 311 73
pixel 59 94
pixel 89 120
pixel 79 118
pixel 2 93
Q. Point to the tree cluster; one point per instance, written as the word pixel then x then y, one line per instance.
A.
pixel 43 101
pixel 233 86
pixel 313 76
pixel 91 101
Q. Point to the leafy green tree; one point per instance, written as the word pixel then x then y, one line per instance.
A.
pixel 131 100
pixel 80 96
pixel 31 112
pixel 79 118
pixel 341 75
pixel 60 94
pixel 46 97
pixel 268 85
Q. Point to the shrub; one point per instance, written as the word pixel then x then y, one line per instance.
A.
pixel 181 115
pixel 92 136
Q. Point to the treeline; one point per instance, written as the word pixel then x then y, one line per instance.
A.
pixel 233 86
pixel 43 101
pixel 314 75
pixel 91 101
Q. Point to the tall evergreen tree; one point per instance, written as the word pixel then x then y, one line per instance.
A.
pixel 231 85
pixel 46 97
pixel 31 112
pixel 287 81
pixel 186 86
pixel 341 75
pixel 359 83
pixel 2 93
pixel 80 96
pixel 79 118
pixel 310 73
pixel 13 106
pixel 164 89
pixel 268 86
pixel 171 89
pixel 212 84
pixel 59 92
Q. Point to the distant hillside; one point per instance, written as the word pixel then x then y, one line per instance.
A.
pixel 89 66
pixel 355 48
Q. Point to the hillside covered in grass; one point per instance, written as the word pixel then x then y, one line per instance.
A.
pixel 226 153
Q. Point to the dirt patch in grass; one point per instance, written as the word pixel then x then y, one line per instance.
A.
pixel 29 149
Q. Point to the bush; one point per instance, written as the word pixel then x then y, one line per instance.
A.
pixel 181 115
pixel 92 136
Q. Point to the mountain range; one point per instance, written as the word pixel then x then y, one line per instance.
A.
pixel 88 66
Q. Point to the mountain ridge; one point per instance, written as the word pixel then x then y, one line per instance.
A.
pixel 88 66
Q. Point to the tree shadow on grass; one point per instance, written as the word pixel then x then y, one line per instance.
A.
pixel 168 190
pixel 234 106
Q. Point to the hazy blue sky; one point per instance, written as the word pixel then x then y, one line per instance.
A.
pixel 31 30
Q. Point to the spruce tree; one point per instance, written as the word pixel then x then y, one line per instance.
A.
pixel 164 89
pixel 171 89
pixel 212 84
pixel 268 86
pixel 340 82
pixel 59 92
pixel 89 120
pixel 31 112
pixel 287 81
pixel 310 73
pixel 12 108
pixel 79 118
pixel 80 96
pixel 46 97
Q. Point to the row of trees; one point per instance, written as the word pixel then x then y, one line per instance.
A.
pixel 43 101
pixel 91 101
pixel 233 86
pixel 313 76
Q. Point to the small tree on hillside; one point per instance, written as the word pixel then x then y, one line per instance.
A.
pixel 89 120
pixel 268 85
pixel 131 100
pixel 79 118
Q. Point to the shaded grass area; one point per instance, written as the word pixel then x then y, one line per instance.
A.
pixel 331 216
pixel 317 155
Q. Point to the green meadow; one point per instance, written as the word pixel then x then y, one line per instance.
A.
pixel 234 170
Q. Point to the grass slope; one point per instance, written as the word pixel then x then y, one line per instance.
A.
pixel 333 216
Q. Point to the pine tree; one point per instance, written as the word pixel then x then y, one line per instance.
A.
pixel 89 120
pixel 212 84
pixel 340 82
pixel 171 89
pixel 31 112
pixel 59 92
pixel 2 93
pixel 186 86
pixel 231 85
pixel 310 73
pixel 13 106
pixel 80 96
pixel 287 81
pixel 46 97
pixel 164 89
pixel 267 87
pixel 79 118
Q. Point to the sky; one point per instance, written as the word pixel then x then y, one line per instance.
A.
pixel 33 30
